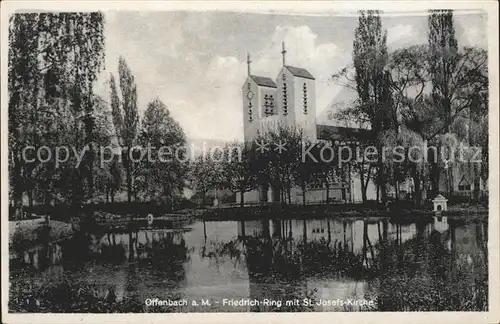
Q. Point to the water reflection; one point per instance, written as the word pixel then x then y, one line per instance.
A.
pixel 431 264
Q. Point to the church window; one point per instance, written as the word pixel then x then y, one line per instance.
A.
pixel 464 185
pixel 285 100
pixel 304 89
pixel 250 112
pixel 268 105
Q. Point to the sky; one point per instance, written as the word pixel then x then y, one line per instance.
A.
pixel 195 62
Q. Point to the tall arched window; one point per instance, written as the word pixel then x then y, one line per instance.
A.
pixel 250 110
pixel 285 96
pixel 304 90
pixel 268 105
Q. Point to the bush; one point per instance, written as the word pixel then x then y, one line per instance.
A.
pixel 459 199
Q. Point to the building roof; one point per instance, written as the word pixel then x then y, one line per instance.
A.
pixel 440 198
pixel 327 132
pixel 263 81
pixel 299 72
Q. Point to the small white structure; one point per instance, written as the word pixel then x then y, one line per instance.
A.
pixel 440 224
pixel 440 203
pixel 150 219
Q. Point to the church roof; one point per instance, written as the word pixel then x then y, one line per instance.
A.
pixel 264 81
pixel 299 72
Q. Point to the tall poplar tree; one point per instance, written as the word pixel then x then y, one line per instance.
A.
pixel 125 117
pixel 53 61
pixel 373 83
pixel 443 60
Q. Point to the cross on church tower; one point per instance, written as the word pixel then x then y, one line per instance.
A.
pixel 283 52
pixel 248 63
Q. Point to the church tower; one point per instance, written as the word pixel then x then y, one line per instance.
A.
pixel 259 101
pixel 297 98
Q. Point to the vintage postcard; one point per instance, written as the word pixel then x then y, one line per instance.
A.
pixel 247 162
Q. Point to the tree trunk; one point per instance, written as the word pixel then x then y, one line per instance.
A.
pixel 48 199
pixel 396 186
pixel 242 197
pixel 329 231
pixel 364 188
pixel 30 200
pixel 435 179
pixel 303 193
pixel 365 234
pixel 128 174
pixel 424 185
pixel 477 183
pixel 327 193
pixel 129 185
pixel 450 179
pixel 130 246
pixel 18 205
pixel 418 195
pixel 305 231
pixel 381 178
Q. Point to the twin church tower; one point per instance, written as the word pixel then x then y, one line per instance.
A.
pixel 289 101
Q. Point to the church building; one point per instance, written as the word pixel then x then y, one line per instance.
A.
pixel 290 101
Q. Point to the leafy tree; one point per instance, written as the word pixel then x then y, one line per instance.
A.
pixel 54 59
pixel 163 168
pixel 325 169
pixel 373 82
pixel 443 60
pixel 417 116
pixel 459 77
pixel 125 117
pixel 204 175
pixel 279 166
pixel 240 168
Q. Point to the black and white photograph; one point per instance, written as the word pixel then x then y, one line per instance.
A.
pixel 250 160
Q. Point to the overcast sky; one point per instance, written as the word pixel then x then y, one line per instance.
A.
pixel 196 62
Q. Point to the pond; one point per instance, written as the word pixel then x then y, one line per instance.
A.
pixel 347 264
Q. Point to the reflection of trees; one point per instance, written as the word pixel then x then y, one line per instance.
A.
pixel 274 272
pixel 165 251
pixel 424 274
pixel 285 257
pixel 112 252
pixel 159 254
pixel 219 251
pixel 76 250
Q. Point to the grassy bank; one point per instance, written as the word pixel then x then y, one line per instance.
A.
pixel 27 233
pixel 334 211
